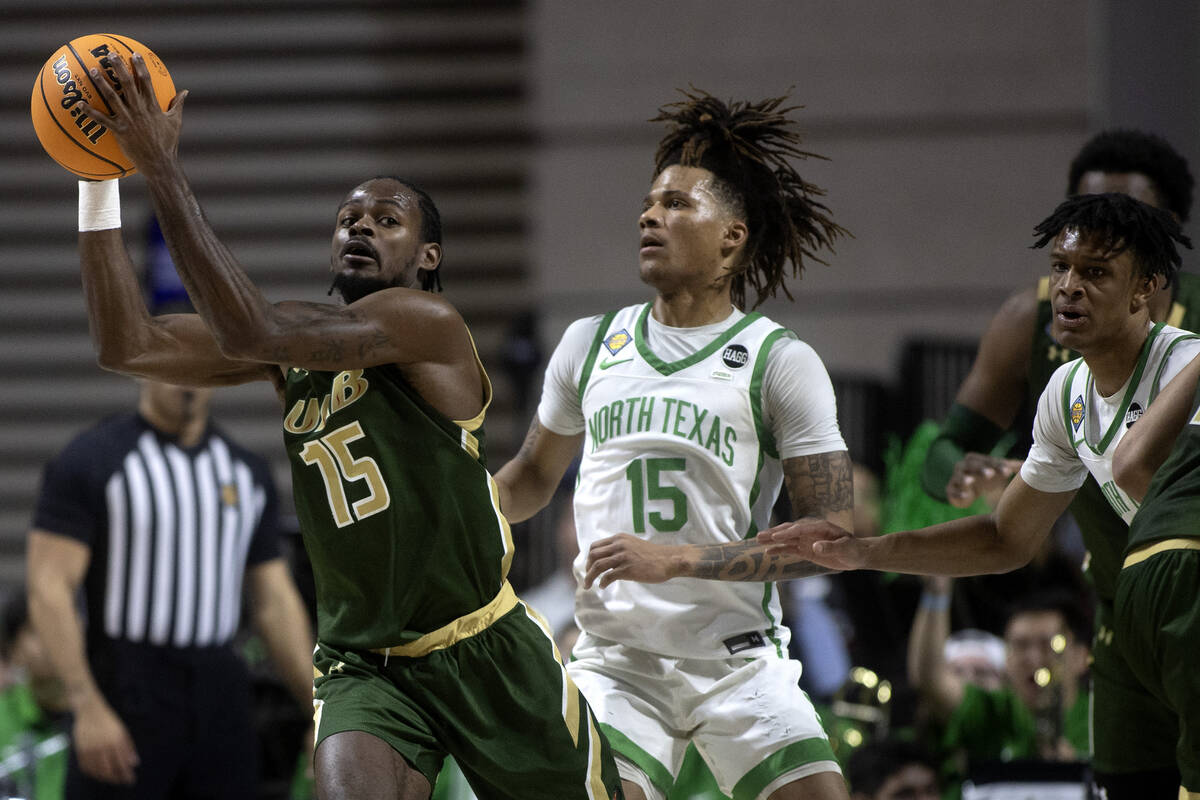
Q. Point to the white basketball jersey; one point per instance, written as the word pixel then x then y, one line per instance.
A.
pixel 677 453
pixel 1092 426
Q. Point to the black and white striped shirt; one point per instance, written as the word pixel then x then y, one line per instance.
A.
pixel 171 530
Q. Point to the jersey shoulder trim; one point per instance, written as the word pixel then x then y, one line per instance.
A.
pixel 473 424
pixel 594 351
pixel 766 440
pixel 1162 364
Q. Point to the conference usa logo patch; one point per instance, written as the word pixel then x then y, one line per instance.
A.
pixel 616 341
pixel 1077 412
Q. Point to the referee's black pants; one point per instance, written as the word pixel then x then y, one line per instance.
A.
pixel 188 711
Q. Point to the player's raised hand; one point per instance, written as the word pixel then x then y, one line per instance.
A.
pixel 978 475
pixel 816 540
pixel 628 558
pixel 146 133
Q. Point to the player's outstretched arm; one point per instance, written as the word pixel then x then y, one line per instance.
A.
pixel 957 469
pixel 393 326
pixel 820 487
pixel 998 542
pixel 1146 445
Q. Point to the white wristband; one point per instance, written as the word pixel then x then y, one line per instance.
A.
pixel 99 205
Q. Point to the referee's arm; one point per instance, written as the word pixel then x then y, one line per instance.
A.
pixel 55 566
pixel 281 620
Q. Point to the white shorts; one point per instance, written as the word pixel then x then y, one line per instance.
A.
pixel 747 717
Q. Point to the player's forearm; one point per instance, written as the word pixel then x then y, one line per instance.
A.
pixel 968 546
pixel 117 315
pixel 528 481
pixel 740 561
pixel 234 308
pixel 524 491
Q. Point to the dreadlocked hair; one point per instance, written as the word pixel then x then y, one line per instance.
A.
pixel 747 147
pixel 1120 223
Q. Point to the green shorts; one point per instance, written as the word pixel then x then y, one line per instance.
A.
pixel 499 702
pixel 1159 628
pixel 1131 729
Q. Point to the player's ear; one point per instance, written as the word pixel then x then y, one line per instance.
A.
pixel 1146 287
pixel 736 235
pixel 431 256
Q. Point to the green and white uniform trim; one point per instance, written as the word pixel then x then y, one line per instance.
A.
pixel 1077 431
pixel 676 451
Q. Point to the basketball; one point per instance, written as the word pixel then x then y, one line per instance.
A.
pixel 76 142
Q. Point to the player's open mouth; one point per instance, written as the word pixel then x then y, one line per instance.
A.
pixel 1070 318
pixel 358 252
pixel 650 244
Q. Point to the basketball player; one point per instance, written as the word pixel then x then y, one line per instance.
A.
pixel 423 649
pixel 1111 255
pixel 1016 357
pixel 690 413
pixel 1158 600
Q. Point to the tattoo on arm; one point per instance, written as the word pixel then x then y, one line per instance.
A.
pixel 531 438
pixel 330 350
pixel 749 561
pixel 372 342
pixel 819 484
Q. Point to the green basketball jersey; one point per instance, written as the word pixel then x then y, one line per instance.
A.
pixel 399 515
pixel 1171 507
pixel 1104 533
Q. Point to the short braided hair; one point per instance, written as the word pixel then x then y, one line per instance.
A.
pixel 1128 150
pixel 431 227
pixel 747 147
pixel 1121 223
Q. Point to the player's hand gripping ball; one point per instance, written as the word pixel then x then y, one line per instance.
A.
pixel 76 142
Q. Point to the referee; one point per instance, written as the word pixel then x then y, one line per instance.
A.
pixel 161 518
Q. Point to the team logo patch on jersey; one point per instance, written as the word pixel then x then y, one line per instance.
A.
pixel 617 340
pixel 1133 414
pixel 1077 412
pixel 736 356
pixel 229 494
pixel 1195 420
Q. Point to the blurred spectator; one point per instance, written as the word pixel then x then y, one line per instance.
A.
pixel 976 657
pixel 892 770
pixel 33 719
pixel 1041 710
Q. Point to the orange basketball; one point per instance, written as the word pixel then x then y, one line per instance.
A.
pixel 72 139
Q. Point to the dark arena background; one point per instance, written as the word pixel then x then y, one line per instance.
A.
pixel 948 128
